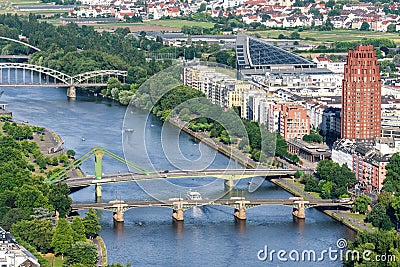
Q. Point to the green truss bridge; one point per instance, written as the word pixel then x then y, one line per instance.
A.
pixel 141 174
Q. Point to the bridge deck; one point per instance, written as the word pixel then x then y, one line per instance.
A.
pixel 190 203
pixel 234 174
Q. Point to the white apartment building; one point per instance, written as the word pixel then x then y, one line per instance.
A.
pixel 315 82
pixel 221 89
pixel 14 255
pixel 251 108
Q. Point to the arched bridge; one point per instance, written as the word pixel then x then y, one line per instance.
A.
pixel 11 75
pixel 19 57
pixel 20 42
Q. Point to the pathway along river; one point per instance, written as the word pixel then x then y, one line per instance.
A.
pixel 209 236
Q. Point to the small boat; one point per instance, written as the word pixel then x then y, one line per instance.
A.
pixel 129 130
pixel 83 139
pixel 193 195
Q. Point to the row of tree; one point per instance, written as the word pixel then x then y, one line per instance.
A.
pixel 29 207
pixel 332 180
pixel 61 237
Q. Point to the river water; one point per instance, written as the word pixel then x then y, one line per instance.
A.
pixel 209 235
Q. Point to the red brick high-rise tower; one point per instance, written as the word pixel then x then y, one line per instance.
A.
pixel 361 95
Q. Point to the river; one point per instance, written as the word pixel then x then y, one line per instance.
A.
pixel 209 235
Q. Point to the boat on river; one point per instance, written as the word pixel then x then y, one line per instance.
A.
pixel 193 195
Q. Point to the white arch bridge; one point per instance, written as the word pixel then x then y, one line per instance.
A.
pixel 21 74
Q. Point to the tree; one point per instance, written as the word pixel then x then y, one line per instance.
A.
pixel 392 180
pixel 361 204
pixel 62 239
pixel 295 35
pixel 202 7
pixel 59 199
pixel 364 26
pixel 298 174
pixel 71 153
pixel 326 189
pixel 396 59
pixel 12 216
pixel 79 233
pixel 379 218
pixel 92 223
pixel 38 233
pixel 265 17
pixel 82 253
pixel 391 28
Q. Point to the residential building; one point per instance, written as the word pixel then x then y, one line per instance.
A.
pixel 294 121
pixel 14 255
pixel 361 95
pixel 254 106
pixel 367 159
pixel 330 122
pixel 327 63
pixel 221 89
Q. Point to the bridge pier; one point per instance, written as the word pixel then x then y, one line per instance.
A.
pixel 98 172
pixel 71 92
pixel 228 184
pixel 118 211
pixel 299 210
pixel 240 209
pixel 98 192
pixel 177 212
pixel 118 216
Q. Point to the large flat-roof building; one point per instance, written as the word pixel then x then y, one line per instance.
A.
pixel 256 57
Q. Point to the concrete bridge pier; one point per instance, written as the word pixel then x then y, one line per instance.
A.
pixel 118 211
pixel 240 209
pixel 98 192
pixel 71 92
pixel 177 212
pixel 299 210
pixel 98 172
pixel 228 184
pixel 118 216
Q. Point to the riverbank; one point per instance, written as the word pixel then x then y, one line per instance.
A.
pixel 290 186
pixel 101 251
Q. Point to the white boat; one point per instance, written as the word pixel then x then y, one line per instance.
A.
pixel 193 195
pixel 83 139
pixel 129 130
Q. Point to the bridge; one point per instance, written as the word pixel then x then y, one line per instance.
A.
pixel 50 77
pixel 19 57
pixel 10 74
pixel 228 175
pixel 240 205
pixel 20 42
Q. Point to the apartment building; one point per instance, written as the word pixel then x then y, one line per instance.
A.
pixel 294 121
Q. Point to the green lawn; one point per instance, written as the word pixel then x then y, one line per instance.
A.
pixel 54 261
pixel 179 23
pixel 332 36
pixel 356 216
